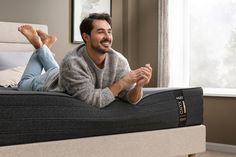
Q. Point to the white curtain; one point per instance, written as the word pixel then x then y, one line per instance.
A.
pixel 178 32
pixel 163 45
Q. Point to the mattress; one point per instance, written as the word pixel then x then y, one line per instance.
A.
pixel 27 117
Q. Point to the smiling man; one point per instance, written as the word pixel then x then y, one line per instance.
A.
pixel 95 73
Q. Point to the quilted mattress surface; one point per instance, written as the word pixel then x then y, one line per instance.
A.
pixel 27 117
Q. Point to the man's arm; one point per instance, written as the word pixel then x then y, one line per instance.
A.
pixel 125 82
pixel 135 95
pixel 140 77
pixel 79 84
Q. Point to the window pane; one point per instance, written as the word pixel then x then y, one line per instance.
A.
pixel 213 43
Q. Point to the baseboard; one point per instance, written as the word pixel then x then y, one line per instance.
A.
pixel 221 147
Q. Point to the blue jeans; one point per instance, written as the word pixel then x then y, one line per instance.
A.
pixel 32 78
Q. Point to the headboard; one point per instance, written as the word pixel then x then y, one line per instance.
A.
pixel 12 40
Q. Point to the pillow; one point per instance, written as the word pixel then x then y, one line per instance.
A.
pixel 13 59
pixel 11 77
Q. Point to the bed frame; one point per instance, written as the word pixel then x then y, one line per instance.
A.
pixel 160 143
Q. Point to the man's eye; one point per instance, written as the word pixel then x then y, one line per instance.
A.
pixel 100 32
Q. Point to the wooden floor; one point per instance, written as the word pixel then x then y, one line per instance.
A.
pixel 214 154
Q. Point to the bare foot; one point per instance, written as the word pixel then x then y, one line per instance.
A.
pixel 30 33
pixel 48 40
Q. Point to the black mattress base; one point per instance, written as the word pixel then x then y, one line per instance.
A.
pixel 27 117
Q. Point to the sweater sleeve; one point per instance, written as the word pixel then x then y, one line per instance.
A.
pixel 80 85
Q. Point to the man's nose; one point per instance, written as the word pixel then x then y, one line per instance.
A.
pixel 108 34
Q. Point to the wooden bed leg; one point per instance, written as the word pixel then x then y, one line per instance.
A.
pixel 192 155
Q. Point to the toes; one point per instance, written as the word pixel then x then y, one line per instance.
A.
pixel 20 28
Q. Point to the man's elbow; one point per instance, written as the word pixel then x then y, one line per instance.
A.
pixel 134 102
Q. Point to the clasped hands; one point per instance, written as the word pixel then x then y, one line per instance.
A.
pixel 140 76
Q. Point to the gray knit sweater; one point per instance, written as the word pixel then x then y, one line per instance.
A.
pixel 81 78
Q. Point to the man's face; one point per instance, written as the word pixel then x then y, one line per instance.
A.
pixel 100 38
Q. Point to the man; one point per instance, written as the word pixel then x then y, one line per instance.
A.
pixel 94 72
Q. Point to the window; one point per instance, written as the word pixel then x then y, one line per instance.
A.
pixel 202 36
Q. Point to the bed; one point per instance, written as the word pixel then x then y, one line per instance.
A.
pixel 167 122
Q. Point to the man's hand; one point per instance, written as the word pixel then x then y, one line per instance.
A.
pixel 131 78
pixel 140 77
pixel 146 74
pixel 128 80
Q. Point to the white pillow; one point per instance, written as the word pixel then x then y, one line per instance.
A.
pixel 13 59
pixel 11 77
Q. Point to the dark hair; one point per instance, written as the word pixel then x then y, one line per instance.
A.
pixel 86 25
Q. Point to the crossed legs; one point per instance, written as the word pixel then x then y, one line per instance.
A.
pixel 41 59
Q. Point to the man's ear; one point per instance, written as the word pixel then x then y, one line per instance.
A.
pixel 85 36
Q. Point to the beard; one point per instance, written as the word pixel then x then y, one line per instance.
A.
pixel 101 48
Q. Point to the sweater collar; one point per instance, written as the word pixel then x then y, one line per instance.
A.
pixel 90 61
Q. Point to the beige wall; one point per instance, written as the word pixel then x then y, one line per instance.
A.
pixel 147 44
pixel 220 119
pixel 140 34
pixel 135 34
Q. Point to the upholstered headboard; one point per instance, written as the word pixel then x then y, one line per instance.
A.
pixel 12 40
